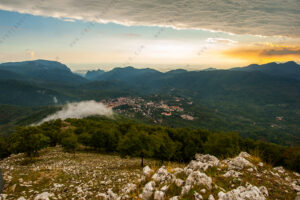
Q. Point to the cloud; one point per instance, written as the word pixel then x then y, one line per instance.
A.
pixel 80 110
pixel 264 53
pixel 258 17
pixel 220 41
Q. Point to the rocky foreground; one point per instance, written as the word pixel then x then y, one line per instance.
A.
pixel 59 175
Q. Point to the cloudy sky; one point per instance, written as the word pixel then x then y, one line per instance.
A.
pixel 162 34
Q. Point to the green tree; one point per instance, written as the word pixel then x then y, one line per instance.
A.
pixel 222 144
pixel 70 142
pixel 3 148
pixel 28 140
pixel 52 130
pixel 137 143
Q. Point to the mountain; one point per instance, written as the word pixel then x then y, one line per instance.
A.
pixel 42 71
pixel 29 94
pixel 127 74
pixel 290 70
pixel 246 100
pixel 94 74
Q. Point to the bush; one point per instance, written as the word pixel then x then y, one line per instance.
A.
pixel 28 140
pixel 70 142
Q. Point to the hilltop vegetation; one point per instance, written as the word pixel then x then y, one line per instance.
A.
pixel 144 141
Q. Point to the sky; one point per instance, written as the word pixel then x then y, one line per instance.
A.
pixel 160 34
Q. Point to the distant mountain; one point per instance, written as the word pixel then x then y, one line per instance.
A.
pixel 289 70
pixel 176 71
pixel 94 74
pixel 127 74
pixel 41 70
pixel 29 94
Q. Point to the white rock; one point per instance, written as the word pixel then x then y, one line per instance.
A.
pixel 249 193
pixel 164 188
pixel 177 170
pixel 202 162
pixel 238 163
pixel 279 169
pixel 21 198
pixel 250 169
pixel 159 195
pixel 147 171
pixel 260 164
pixel 111 195
pixel 148 190
pixel 203 191
pixel 232 173
pixel 244 154
pixel 162 175
pixel 198 196
pixel 174 198
pixel 129 188
pixel 199 178
pixel 185 189
pixel 43 196
pixel 264 190
pixel 3 196
pixel 211 197
pixel 179 182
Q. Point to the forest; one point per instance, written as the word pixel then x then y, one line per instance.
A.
pixel 128 138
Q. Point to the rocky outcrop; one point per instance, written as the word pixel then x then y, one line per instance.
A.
pixel 206 177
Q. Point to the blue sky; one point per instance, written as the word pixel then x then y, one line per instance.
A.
pixel 83 44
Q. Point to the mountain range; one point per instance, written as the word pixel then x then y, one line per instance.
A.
pixel 238 95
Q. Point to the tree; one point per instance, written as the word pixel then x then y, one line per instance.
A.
pixel 3 148
pixel 28 140
pixel 222 144
pixel 70 142
pixel 136 143
pixel 165 148
pixel 52 130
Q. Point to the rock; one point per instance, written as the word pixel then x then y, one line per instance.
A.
pixel 111 195
pixel 163 176
pixel 179 182
pixel 264 190
pixel 198 196
pixel 174 198
pixel 211 197
pixel 199 178
pixel 43 196
pixel 148 190
pixel 203 191
pixel 177 170
pixel 250 169
pixel 21 198
pixel 3 196
pixel 159 195
pixel 147 171
pixel 279 169
pixel 129 188
pixel 260 164
pixel 244 154
pixel 232 173
pixel 238 163
pixel 202 162
pixel 296 187
pixel 248 193
pixel 185 189
pixel 164 188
